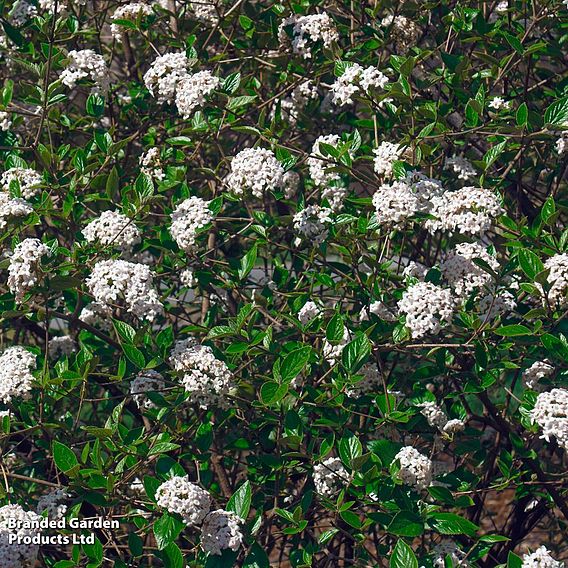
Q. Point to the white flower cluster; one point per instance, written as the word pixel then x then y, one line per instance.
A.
pixel 306 31
pixel 55 503
pixel 129 283
pixel 204 12
pixel 291 106
pixel 12 207
pixel 415 270
pixel 145 382
pixel 538 370
pixel 193 90
pixel 61 346
pixel 311 223
pixel 461 166
pixel 164 75
pixel 131 12
pixel 16 554
pixel 5 121
pixel 49 6
pixel 468 210
pixel 188 217
pixel 400 200
pixel 449 548
pixel 370 383
pixel 332 351
pixel 21 12
pixel 16 365
pixel 354 80
pixel 462 274
pixel 181 496
pixel 23 271
pixel 221 531
pixel 207 379
pixel 402 30
pixel 550 412
pixel 29 181
pixel 96 314
pixel 112 228
pixel 379 309
pixel 427 308
pixel 557 266
pixel 255 170
pixel 86 64
pixel 415 468
pixel 330 477
pixel 498 103
pixel 151 164
pixel 385 156
pixel 496 303
pixel 308 312
pixel 541 558
pixel 187 278
pixel 437 418
pixel 562 144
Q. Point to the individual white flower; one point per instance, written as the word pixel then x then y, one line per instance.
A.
pixel 50 5
pixel 538 370
pixel 164 75
pixel 354 80
pixel 402 30
pixel 385 156
pixel 146 381
pixel 415 468
pixel 449 548
pixel 437 418
pixel 12 207
pixel 15 553
pixel 309 311
pixel 86 64
pixel 379 309
pixel 460 271
pixel 311 223
pixel 130 12
pixel 5 120
pixel 498 103
pixel 127 283
pixel 500 9
pixel 255 171
pixel 221 531
pixel 181 496
pixel 55 503
pixel 550 412
pixel 112 228
pixel 332 351
pixel 192 91
pixel 205 12
pixel 561 144
pixel 61 346
pixel 24 268
pixel 16 365
pixel 188 218
pixel 29 181
pixel 557 278
pixel 468 210
pixel 427 307
pixel 136 486
pixel 330 477
pixel 187 278
pixel 306 31
pixel 22 11
pixel 461 166
pixel 541 558
pixel 207 379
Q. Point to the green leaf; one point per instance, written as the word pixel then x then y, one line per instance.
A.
pixel 530 263
pixel 272 392
pixel 231 83
pixel 95 105
pixel 355 353
pixel 135 544
pixel 513 330
pixel 172 556
pixel 166 530
pixel 449 523
pixel 522 115
pixel 349 448
pixel 257 558
pixel 402 556
pixel 293 364
pixel 493 153
pixel 514 561
pixel 64 457
pixel 247 263
pixel 240 501
pixel 144 186
pixel 557 113
pixel 125 331
pixel 406 523
pixel 134 355
pixel 335 328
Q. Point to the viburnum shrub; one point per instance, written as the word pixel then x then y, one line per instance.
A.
pixel 284 284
